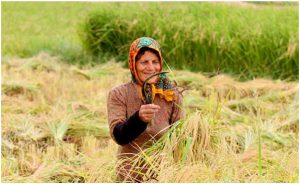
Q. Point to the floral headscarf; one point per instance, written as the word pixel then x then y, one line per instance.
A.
pixel 163 86
pixel 134 50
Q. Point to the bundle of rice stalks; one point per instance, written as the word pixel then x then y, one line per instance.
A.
pixel 94 128
pixel 46 172
pixel 233 131
pixel 82 73
pixel 205 142
pixel 103 71
pixel 14 88
pixel 20 131
pixel 41 62
pixel 185 143
pixel 88 124
pixel 227 87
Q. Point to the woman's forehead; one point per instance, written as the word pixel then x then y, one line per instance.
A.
pixel 149 53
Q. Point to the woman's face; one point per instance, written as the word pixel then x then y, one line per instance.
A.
pixel 148 65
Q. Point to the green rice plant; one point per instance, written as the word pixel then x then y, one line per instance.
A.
pixel 247 41
pixel 34 27
pixel 58 130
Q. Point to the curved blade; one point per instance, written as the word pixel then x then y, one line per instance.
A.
pixel 145 82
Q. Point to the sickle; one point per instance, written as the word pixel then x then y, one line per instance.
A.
pixel 145 82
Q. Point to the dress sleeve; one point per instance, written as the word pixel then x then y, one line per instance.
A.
pixel 177 108
pixel 123 130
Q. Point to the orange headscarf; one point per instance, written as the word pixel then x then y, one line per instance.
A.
pixel 163 86
pixel 134 50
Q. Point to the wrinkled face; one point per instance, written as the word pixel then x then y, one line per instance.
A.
pixel 148 65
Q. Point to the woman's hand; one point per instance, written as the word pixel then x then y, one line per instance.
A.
pixel 147 112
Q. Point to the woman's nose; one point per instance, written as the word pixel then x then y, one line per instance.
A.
pixel 150 66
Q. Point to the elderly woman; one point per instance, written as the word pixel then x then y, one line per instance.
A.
pixel 136 117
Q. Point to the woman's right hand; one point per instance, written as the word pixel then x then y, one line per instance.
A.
pixel 147 112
